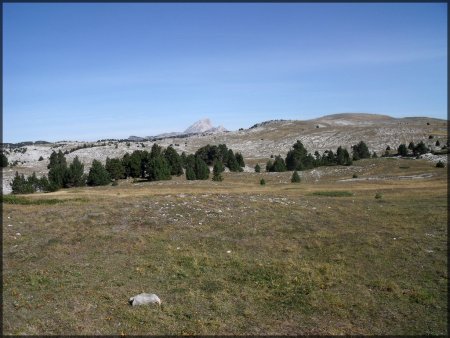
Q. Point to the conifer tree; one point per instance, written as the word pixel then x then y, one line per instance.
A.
pixel 190 173
pixel 232 163
pixel 278 165
pixel 98 174
pixel 115 168
pixel 20 185
pixel 4 161
pixel 156 150
pixel 257 168
pixel 174 160
pixel 75 174
pixel 360 151
pixel 201 169
pixel 57 170
pixel 240 159
pixel 217 171
pixel 402 150
pixel 295 177
pixel 44 184
pixel 135 164
pixel 420 149
pixel 158 169
pixel 343 157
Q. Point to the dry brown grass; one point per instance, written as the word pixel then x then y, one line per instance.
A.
pixel 297 263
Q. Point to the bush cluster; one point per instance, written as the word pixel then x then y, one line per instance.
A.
pixel 298 158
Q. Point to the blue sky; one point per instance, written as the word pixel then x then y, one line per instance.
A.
pixel 93 71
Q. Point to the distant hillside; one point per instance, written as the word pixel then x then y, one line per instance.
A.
pixel 256 144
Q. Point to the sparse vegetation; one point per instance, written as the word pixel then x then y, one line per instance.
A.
pixel 337 193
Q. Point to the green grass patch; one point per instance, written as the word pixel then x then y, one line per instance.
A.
pixel 333 193
pixel 13 199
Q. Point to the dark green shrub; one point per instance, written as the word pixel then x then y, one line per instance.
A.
pixel 262 181
pixel 402 150
pixel 4 161
pixel 295 177
pixel 257 168
pixel 277 166
pixel 440 164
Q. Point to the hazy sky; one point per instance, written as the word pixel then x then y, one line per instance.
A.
pixel 93 71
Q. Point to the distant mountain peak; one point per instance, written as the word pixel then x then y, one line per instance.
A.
pixel 203 126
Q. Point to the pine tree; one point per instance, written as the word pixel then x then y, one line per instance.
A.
pixel 115 168
pixel 44 184
pixel 135 164
pixel 75 174
pixel 269 165
pixel 201 169
pixel 262 181
pixel 190 173
pixel 360 151
pixel 343 157
pixel 420 149
pixel 126 164
pixel 257 168
pixel 217 171
pixel 158 169
pixel 232 163
pixel 296 157
pixel 20 185
pixel 33 181
pixel 295 178
pixel 156 151
pixel 98 174
pixel 174 160
pixel 277 166
pixel 240 159
pixel 402 150
pixel 57 170
pixel 4 161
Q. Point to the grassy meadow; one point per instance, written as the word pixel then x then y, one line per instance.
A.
pixel 323 256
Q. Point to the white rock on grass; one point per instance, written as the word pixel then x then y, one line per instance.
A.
pixel 144 299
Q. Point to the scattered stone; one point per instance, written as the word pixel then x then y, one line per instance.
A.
pixel 144 299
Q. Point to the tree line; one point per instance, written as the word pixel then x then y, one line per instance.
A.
pixel 158 164
pixel 298 158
